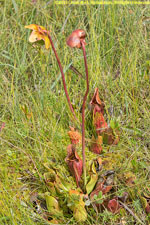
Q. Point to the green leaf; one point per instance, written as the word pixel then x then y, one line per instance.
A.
pixel 95 197
pixel 52 205
pixel 50 176
pixel 91 183
pixel 100 194
pixel 143 202
pixel 79 212
pixel 62 185
pixel 93 168
pixel 114 124
pixel 47 166
pixel 99 198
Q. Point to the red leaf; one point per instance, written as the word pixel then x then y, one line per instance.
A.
pixel 95 98
pixel 113 206
pixel 109 137
pixel 97 102
pixel 99 122
pixel 75 136
pixel 96 145
pixel 106 189
pixel 147 208
pixel 74 163
pixel 100 187
pixel 98 111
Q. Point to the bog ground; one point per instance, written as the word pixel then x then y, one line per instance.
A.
pixel 35 117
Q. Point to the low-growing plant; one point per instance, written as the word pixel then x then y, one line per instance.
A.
pixel 96 189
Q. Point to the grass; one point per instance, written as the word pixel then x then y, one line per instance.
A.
pixel 119 65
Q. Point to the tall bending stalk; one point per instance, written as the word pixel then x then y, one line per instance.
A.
pixel 77 39
pixel 83 112
pixel 63 77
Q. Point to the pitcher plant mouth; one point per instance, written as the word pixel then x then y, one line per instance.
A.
pixel 75 39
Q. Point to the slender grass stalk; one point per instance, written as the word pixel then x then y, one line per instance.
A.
pixel 63 77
